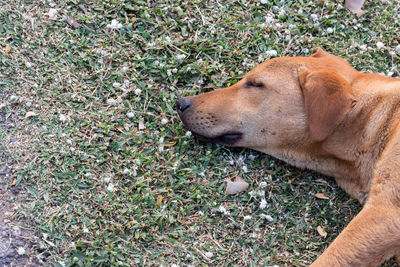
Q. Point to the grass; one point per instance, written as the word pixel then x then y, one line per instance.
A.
pixel 112 176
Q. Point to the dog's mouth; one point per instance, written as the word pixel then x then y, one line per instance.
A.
pixel 226 138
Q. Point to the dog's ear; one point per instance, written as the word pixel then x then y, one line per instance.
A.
pixel 327 98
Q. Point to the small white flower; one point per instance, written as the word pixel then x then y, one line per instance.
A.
pixel 181 56
pixel 364 47
pixel 261 193
pixel 28 64
pixel 174 265
pixel 138 91
pixel 379 45
pixel 107 180
pixel 223 210
pixel 110 187
pixel 272 53
pixel 161 148
pixel 188 133
pixel 252 157
pixel 167 39
pixel 116 84
pixel 111 101
pixel 130 115
pixel 209 254
pixel 114 24
pixel 164 121
pixel 392 53
pixel 253 235
pixel 398 49
pixel 85 230
pixel 21 251
pixel 125 69
pixel 329 30
pixel 263 204
pixel 125 171
pixel 314 17
pixel 264 2
pixel 267 217
pixel 63 118
pixel 126 83
pixel 263 185
pixel 248 217
pixel 390 73
pixel 200 213
pixel 244 168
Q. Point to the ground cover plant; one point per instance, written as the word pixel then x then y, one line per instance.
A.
pixel 112 177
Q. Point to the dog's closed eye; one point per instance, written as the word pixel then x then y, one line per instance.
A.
pixel 250 84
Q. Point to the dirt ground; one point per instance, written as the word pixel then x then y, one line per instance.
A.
pixel 18 244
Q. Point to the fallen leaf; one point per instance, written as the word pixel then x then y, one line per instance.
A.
pixel 71 21
pixel 30 114
pixel 159 201
pixel 237 186
pixel 14 182
pixel 8 49
pixel 321 196
pixel 355 6
pixel 321 231
pixel 141 125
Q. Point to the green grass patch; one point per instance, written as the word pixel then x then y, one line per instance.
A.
pixel 113 177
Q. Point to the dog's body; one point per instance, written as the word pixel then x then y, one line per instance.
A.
pixel 319 113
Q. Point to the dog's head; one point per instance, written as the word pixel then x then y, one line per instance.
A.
pixel 281 102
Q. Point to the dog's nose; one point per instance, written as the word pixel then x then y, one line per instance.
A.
pixel 183 104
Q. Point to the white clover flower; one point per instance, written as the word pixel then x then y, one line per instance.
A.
pixel 161 148
pixel 200 213
pixel 110 187
pixel 209 254
pixel 248 217
pixel 85 230
pixel 272 53
pixel 398 49
pixel 263 204
pixel 267 217
pixel 116 84
pixel 261 193
pixel 21 251
pixel 138 91
pixel 107 180
pixel 314 17
pixel 63 118
pixel 164 121
pixel 111 101
pixel 188 133
pixel 130 115
pixel 223 210
pixel 364 47
pixel 263 185
pixel 167 39
pixel 126 83
pixel 329 30
pixel 244 168
pixel 125 171
pixel 264 2
pixel 28 64
pixel 114 25
pixel 379 45
pixel 181 56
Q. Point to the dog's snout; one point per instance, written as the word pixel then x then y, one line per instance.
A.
pixel 183 104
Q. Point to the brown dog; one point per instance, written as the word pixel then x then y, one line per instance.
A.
pixel 319 113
